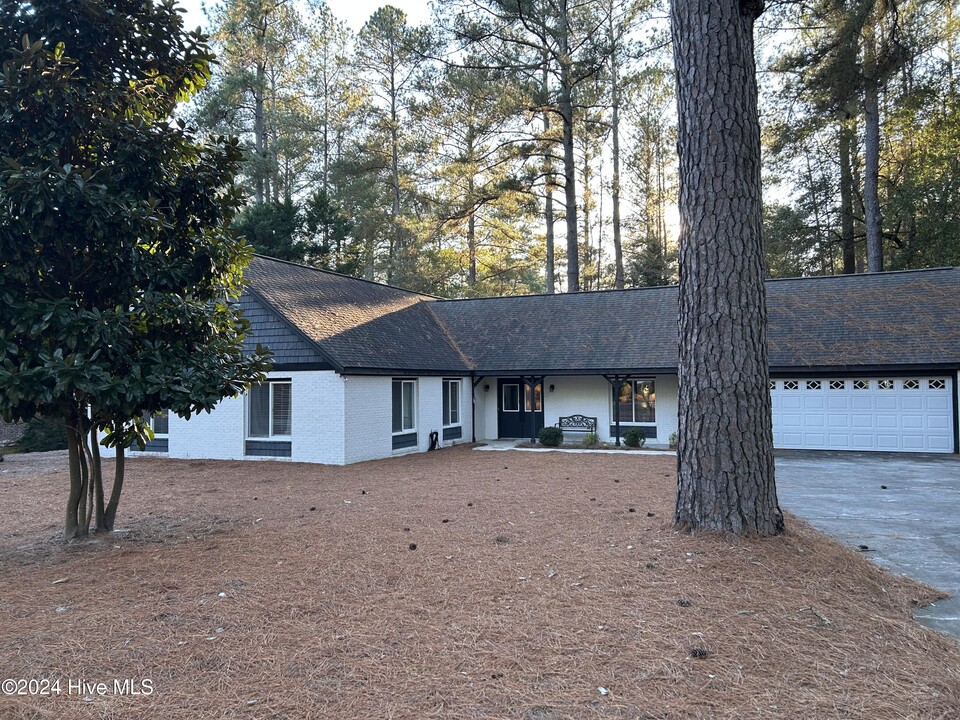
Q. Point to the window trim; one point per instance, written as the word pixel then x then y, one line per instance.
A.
pixel 447 387
pixel 615 398
pixel 271 383
pixel 503 405
pixel 413 410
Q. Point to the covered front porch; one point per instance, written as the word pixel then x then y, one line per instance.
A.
pixel 518 406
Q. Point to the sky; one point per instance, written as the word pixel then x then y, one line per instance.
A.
pixel 354 12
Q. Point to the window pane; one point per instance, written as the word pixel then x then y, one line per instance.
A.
pixel 511 398
pixel 281 409
pixel 260 410
pixel 397 406
pixel 625 400
pixel 537 403
pixel 451 400
pixel 408 409
pixel 160 422
pixel 645 401
pixel 446 402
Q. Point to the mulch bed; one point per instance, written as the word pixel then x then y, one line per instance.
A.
pixel 455 584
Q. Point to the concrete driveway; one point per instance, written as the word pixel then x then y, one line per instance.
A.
pixel 904 508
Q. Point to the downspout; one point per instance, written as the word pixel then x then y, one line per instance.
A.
pixel 473 407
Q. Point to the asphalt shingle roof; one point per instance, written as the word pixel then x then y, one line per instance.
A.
pixel 359 325
pixel 852 321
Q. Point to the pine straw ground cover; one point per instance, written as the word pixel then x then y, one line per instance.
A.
pixel 537 578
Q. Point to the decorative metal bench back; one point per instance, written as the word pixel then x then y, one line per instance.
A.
pixel 580 423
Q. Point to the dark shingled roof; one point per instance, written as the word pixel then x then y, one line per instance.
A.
pixel 842 322
pixel 359 325
pixel 592 331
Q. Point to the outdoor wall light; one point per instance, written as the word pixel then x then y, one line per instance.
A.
pixel 486 388
pixel 552 388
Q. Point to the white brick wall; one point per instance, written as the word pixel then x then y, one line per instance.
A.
pixel 369 415
pixel 367 418
pixel 339 420
pixel 580 395
pixel 316 427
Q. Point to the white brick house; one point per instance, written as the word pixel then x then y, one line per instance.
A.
pixel 364 371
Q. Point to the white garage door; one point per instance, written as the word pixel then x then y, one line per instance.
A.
pixel 890 414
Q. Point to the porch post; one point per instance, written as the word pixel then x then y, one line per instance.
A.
pixel 473 408
pixel 616 381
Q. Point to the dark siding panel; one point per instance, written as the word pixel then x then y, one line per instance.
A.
pixel 650 433
pixel 160 445
pixel 268 329
pixel 452 433
pixel 404 441
pixel 267 448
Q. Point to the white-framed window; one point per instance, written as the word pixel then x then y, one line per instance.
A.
pixel 937 384
pixel 159 423
pixel 638 401
pixel 451 403
pixel 404 406
pixel 269 409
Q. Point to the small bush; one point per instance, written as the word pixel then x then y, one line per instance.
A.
pixel 634 438
pixel 42 434
pixel 674 439
pixel 551 436
pixel 591 440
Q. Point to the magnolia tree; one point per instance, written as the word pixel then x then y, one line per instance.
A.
pixel 118 268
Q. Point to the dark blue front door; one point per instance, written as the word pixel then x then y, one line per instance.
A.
pixel 519 408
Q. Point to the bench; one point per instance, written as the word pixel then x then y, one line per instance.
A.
pixel 578 423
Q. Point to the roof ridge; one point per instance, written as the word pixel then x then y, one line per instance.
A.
pixel 866 275
pixel 587 293
pixel 345 276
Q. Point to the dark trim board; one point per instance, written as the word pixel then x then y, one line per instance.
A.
pixel 407 440
pixel 292 367
pixel 453 433
pixel 267 448
pixel 864 371
pixel 157 445
pixel 599 372
pixel 649 431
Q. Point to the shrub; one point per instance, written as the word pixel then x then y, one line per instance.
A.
pixel 591 440
pixel 551 437
pixel 634 438
pixel 674 439
pixel 42 434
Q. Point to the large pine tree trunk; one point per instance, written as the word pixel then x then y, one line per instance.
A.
pixel 725 454
pixel 618 279
pixel 871 153
pixel 846 199
pixel 570 193
pixel 548 185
